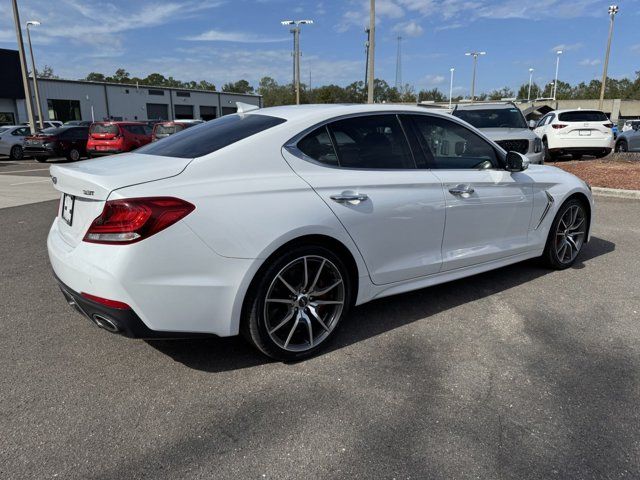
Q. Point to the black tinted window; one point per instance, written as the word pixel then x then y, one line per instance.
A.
pixel 105 128
pixel 452 146
pixel 318 146
pixel 375 141
pixel 583 116
pixel 211 136
pixel 493 118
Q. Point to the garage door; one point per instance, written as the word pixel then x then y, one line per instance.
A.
pixel 184 112
pixel 208 112
pixel 157 111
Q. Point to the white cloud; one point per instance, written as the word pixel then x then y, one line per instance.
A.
pixel 409 29
pixel 587 62
pixel 434 80
pixel 635 48
pixel 239 37
pixel 567 47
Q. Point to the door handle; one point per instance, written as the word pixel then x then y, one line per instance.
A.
pixel 346 197
pixel 461 189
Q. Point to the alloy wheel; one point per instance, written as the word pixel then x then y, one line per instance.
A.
pixel 304 303
pixel 570 234
pixel 621 147
pixel 17 153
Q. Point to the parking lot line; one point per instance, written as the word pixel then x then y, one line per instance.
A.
pixel 33 181
pixel 21 171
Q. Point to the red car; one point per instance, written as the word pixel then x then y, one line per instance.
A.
pixel 106 138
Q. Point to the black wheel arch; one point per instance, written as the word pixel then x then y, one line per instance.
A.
pixel 582 198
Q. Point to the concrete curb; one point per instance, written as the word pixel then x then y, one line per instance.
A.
pixel 616 192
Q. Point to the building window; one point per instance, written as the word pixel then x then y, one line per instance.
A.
pixel 64 110
pixel 7 118
pixel 183 94
pixel 156 92
pixel 157 111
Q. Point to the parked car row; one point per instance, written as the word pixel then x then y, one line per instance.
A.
pixel 78 139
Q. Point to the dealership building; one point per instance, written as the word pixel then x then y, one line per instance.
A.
pixel 83 100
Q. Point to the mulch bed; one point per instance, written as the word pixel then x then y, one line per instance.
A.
pixel 618 170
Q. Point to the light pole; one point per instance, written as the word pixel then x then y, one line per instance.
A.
pixel 372 49
pixel 555 82
pixel 475 56
pixel 366 63
pixel 451 87
pixel 23 67
pixel 34 23
pixel 296 51
pixel 613 9
pixel 530 81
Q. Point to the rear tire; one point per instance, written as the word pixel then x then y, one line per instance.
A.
pixel 567 235
pixel 545 149
pixel 622 146
pixel 16 153
pixel 295 318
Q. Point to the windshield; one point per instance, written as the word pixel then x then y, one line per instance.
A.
pixel 105 128
pixel 493 118
pixel 2 130
pixel 168 129
pixel 583 116
pixel 211 136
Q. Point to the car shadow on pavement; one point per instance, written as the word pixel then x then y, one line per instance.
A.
pixel 376 317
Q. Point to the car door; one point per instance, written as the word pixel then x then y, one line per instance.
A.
pixel 634 137
pixel 363 169
pixel 488 209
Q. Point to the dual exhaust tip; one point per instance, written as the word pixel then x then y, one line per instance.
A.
pixel 105 323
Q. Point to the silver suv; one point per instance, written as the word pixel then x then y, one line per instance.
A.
pixel 505 124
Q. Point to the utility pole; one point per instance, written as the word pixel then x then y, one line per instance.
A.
pixel 366 62
pixel 372 49
pixel 475 56
pixel 613 9
pixel 34 73
pixel 399 65
pixel 451 87
pixel 555 82
pixel 530 81
pixel 296 52
pixel 23 67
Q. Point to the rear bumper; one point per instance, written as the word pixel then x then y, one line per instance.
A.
pixel 98 153
pixel 584 144
pixel 120 321
pixel 40 152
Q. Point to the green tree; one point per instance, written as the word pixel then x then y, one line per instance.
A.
pixel 504 92
pixel 433 95
pixel 241 86
pixel 47 72
pixel 95 77
pixel 274 93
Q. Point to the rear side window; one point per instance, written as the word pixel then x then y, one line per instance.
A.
pixel 583 116
pixel 318 146
pixel 211 136
pixel 168 129
pixel 104 128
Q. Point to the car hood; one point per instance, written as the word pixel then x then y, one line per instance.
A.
pixel 508 133
pixel 97 178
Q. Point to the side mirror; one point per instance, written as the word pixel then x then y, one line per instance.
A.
pixel 516 162
pixel 532 124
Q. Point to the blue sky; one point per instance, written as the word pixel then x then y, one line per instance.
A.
pixel 224 40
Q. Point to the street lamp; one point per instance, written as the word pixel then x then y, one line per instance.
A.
pixel 475 56
pixel 34 23
pixel 372 49
pixel 555 82
pixel 451 86
pixel 530 80
pixel 296 51
pixel 613 9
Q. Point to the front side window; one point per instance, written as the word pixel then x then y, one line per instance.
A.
pixel 371 142
pixel 452 146
pixel 208 137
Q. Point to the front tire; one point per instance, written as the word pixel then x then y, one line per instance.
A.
pixel 567 235
pixel 296 302
pixel 16 153
pixel 73 155
pixel 622 146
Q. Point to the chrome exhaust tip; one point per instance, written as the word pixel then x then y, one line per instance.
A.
pixel 106 323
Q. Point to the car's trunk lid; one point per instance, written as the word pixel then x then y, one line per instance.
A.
pixel 90 182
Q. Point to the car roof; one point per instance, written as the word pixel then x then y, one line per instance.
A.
pixel 120 122
pixel 485 106
pixel 576 110
pixel 322 111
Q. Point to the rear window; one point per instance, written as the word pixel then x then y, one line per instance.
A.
pixel 104 128
pixel 53 130
pixel 583 116
pixel 168 129
pixel 211 136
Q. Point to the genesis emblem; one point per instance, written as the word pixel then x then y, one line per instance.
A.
pixel 54 180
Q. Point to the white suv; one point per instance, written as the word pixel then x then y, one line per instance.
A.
pixel 575 132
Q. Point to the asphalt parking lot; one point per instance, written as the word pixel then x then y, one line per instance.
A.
pixel 517 373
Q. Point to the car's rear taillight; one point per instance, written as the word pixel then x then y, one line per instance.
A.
pixel 131 220
pixel 559 125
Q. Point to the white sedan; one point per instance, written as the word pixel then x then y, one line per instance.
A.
pixel 12 140
pixel 274 222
